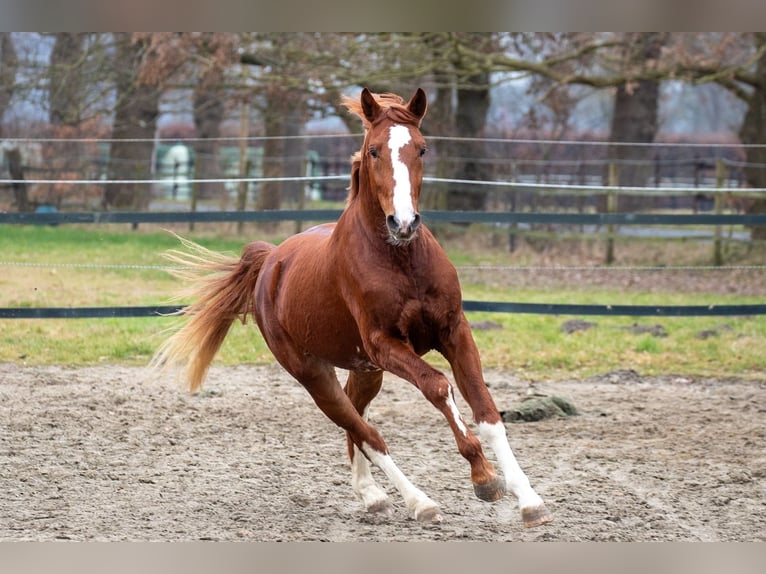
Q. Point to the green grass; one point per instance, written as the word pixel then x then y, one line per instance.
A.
pixel 534 346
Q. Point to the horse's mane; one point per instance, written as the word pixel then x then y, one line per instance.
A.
pixel 393 106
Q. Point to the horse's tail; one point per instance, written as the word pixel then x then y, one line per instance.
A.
pixel 223 289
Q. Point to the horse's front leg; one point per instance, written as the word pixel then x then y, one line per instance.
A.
pixel 460 350
pixel 398 358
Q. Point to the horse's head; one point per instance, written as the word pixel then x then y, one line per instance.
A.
pixel 391 166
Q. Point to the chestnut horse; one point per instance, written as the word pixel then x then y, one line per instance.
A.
pixel 370 293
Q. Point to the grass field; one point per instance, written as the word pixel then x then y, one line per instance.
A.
pixel 71 266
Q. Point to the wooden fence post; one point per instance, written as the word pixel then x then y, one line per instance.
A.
pixel 244 163
pixel 194 192
pixel 611 207
pixel 16 171
pixel 306 165
pixel 720 178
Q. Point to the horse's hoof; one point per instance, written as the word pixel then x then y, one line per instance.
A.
pixel 536 516
pixel 382 508
pixel 429 515
pixel 490 491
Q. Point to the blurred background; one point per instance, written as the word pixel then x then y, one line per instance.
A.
pixel 197 118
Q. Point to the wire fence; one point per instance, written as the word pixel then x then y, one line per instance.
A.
pixel 461 216
pixel 313 215
pixel 544 179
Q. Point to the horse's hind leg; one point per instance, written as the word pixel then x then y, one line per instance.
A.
pixel 361 388
pixel 320 381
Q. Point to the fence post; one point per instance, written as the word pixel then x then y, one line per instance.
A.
pixel 305 165
pixel 611 207
pixel 514 196
pixel 720 178
pixel 194 193
pixel 244 162
pixel 16 171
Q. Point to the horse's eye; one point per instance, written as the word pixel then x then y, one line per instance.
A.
pixel 373 152
pixel 423 151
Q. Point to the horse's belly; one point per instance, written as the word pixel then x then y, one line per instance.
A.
pixel 330 334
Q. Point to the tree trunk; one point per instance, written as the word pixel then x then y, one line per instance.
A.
pixel 295 151
pixel 753 131
pixel 441 122
pixel 441 118
pixel 270 193
pixel 65 82
pixel 208 116
pixel 135 117
pixel 635 119
pixel 8 66
pixel 470 119
pixel 285 115
pixel 66 89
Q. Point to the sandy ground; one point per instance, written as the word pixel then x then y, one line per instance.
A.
pixel 105 453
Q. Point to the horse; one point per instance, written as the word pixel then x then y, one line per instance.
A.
pixel 372 292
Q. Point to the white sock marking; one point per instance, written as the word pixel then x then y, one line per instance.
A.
pixel 362 482
pixel 455 413
pixel 415 499
pixel 398 137
pixel 515 479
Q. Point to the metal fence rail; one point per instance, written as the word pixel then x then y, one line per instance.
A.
pixel 134 217
pixel 118 217
pixel 485 306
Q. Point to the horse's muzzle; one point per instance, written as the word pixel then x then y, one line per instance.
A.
pixel 403 231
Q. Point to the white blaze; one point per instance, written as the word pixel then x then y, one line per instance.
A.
pixel 398 137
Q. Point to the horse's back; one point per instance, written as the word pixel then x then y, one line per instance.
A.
pixel 300 260
pixel 324 229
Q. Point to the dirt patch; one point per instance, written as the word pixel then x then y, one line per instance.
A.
pixel 105 453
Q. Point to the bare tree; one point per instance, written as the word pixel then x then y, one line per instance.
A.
pixel 635 64
pixel 215 53
pixel 8 67
pixel 135 119
pixel 66 98
pixel 636 105
pixel 9 64
pixel 753 130
pixel 291 69
pixel 65 84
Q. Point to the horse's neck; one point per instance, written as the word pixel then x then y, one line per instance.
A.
pixel 360 225
pixel 363 214
pixel 364 233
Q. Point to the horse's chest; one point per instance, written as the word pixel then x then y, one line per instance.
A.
pixel 415 319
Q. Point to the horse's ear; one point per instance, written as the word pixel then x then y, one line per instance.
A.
pixel 418 103
pixel 370 107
